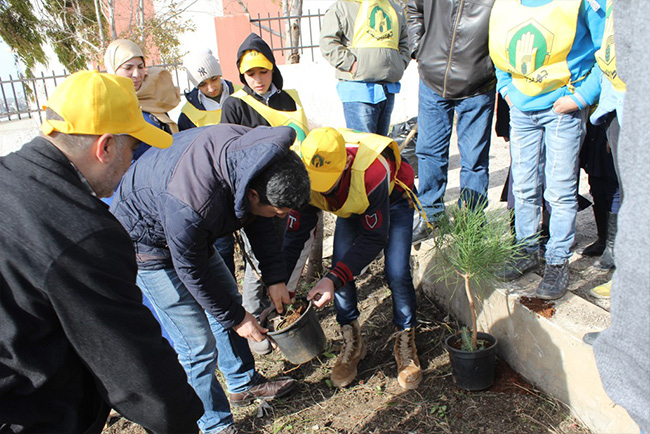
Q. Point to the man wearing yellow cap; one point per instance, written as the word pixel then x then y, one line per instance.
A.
pixel 75 337
pixel 362 179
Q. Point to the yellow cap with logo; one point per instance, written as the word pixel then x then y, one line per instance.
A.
pixel 324 155
pixel 95 103
pixel 254 59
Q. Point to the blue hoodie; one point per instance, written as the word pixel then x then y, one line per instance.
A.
pixel 581 62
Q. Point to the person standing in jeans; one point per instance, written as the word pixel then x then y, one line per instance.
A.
pixel 367 43
pixel 449 40
pixel 544 52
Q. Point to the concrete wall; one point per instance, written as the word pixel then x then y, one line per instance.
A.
pixel 316 86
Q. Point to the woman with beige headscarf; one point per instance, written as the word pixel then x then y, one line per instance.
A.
pixel 154 86
pixel 157 95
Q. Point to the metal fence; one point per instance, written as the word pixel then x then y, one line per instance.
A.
pixel 23 98
pixel 273 29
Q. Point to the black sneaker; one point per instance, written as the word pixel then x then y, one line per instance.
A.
pixel 421 232
pixel 555 281
pixel 527 262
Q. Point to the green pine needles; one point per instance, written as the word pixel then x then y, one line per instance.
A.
pixel 473 245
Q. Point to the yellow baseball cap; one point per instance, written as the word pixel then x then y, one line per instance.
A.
pixel 95 103
pixel 324 155
pixel 254 59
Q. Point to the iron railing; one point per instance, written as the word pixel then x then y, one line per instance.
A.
pixel 273 29
pixel 23 98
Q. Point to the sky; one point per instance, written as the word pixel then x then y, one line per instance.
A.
pixel 7 65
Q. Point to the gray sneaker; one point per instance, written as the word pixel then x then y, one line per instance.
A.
pixel 555 281
pixel 262 348
pixel 230 429
pixel 526 262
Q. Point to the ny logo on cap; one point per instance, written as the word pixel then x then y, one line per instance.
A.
pixel 202 71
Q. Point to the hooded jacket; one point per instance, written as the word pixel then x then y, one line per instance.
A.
pixel 75 338
pixel 236 111
pixel 449 40
pixel 174 204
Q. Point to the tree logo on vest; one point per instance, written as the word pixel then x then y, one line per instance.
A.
pixel 528 49
pixel 379 24
pixel 300 132
pixel 607 53
pixel 372 221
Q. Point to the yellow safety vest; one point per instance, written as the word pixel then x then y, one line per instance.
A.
pixel 370 147
pixel 201 118
pixel 376 25
pixel 534 51
pixel 277 118
pixel 606 55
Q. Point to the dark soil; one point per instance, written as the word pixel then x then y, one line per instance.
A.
pixel 290 315
pixel 375 404
pixel 541 307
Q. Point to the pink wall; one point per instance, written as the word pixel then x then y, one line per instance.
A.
pixel 231 31
pixel 235 26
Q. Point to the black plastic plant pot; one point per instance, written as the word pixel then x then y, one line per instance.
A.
pixel 472 370
pixel 303 340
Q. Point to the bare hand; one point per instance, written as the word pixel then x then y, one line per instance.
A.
pixel 250 328
pixel 565 104
pixel 353 68
pixel 279 296
pixel 322 293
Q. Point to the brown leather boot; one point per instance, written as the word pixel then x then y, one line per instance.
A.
pixel 353 350
pixel 409 372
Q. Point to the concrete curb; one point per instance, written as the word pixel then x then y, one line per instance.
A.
pixel 548 352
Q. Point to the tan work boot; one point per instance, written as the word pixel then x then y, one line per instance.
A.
pixel 409 372
pixel 353 350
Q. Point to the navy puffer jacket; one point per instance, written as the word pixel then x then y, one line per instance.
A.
pixel 175 202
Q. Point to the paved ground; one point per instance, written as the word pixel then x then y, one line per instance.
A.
pixel 583 275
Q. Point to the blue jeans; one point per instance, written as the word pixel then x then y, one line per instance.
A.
pixel 369 118
pixel 397 266
pixel 548 140
pixel 435 123
pixel 200 340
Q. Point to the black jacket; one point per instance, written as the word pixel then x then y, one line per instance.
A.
pixel 75 338
pixel 236 111
pixel 176 202
pixel 184 123
pixel 449 40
